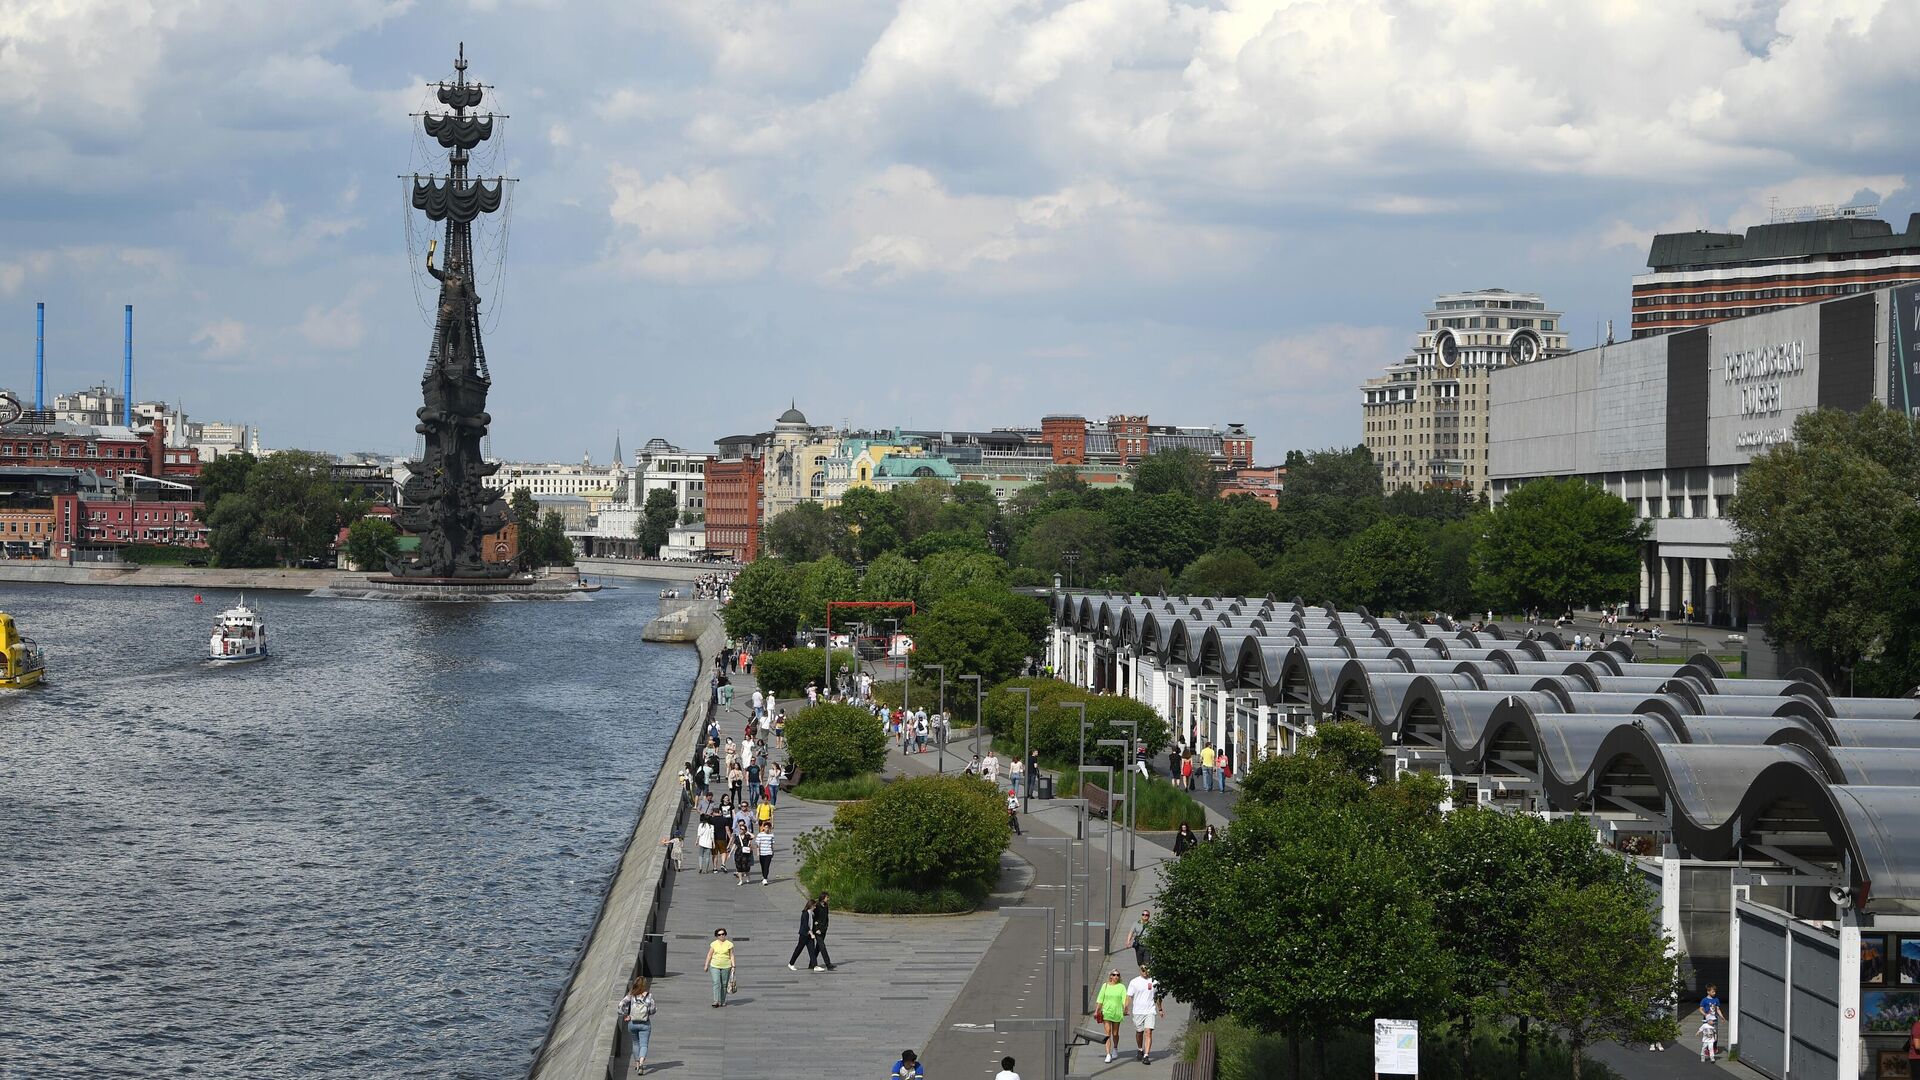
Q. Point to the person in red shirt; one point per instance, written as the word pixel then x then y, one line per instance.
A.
pixel 1913 1042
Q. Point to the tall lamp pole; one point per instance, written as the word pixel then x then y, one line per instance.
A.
pixel 1133 789
pixel 940 735
pixel 1106 918
pixel 979 709
pixel 1080 763
pixel 1026 746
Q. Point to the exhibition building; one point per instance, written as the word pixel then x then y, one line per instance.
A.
pixel 1774 820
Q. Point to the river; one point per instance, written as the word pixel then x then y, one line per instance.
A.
pixel 373 855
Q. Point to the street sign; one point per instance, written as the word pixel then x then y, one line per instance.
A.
pixel 1396 1048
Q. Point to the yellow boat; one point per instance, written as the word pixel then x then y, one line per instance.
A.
pixel 24 664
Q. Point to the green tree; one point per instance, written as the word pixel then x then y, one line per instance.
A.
pixel 968 637
pixel 950 572
pixel 1224 573
pixel 656 521
pixel 1594 966
pixel 301 510
pixel 1344 474
pixel 804 533
pixel 1346 928
pixel 1387 567
pixel 1306 518
pixel 1823 526
pixel 553 548
pixel 1161 530
pixel 524 512
pixel 1450 585
pixel 892 576
pixel 1249 525
pixel 1558 544
pixel 1182 471
pixel 1313 571
pixel 831 741
pixel 786 672
pixel 371 542
pixel 237 533
pixel 941 541
pixel 1433 504
pixel 824 580
pixel 767 602
pixel 872 523
pixel 223 476
pixel 919 505
pixel 1087 532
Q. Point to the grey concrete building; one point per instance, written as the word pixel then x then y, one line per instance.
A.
pixel 1669 423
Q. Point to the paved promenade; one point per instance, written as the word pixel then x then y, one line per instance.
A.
pixel 894 978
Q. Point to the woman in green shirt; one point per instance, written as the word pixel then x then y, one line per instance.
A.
pixel 1111 1004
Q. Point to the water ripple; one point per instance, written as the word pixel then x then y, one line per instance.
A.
pixel 371 856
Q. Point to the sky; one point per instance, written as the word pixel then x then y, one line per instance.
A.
pixel 924 213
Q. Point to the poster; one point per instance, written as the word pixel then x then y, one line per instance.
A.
pixel 1903 353
pixel 1873 960
pixel 1889 1011
pixel 1396 1047
pixel 1907 963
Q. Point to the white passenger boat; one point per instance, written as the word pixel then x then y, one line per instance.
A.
pixel 240 637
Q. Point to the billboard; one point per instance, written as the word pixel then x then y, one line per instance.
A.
pixel 1903 352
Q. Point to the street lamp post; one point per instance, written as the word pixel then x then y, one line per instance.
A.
pixel 1080 764
pixel 1026 746
pixel 940 735
pixel 1106 919
pixel 1133 815
pixel 1070 557
pixel 979 710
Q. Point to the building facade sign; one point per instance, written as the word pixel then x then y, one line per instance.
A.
pixel 1757 374
pixel 1903 337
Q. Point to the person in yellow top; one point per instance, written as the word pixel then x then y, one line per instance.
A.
pixel 764 812
pixel 720 962
pixel 1207 776
pixel 1111 1005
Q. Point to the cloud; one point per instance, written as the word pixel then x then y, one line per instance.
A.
pixel 698 265
pixel 1324 363
pixel 675 208
pixel 338 327
pixel 221 339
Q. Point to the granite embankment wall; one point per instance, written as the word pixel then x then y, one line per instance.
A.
pixel 177 577
pixel 580 1041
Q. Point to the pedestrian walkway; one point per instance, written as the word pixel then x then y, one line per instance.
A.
pixel 894 977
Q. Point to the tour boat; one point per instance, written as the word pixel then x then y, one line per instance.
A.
pixel 25 666
pixel 240 637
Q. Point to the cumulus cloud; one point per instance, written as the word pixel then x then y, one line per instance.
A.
pixel 221 339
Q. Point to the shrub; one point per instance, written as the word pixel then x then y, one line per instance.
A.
pixel 829 863
pixel 1056 729
pixel 787 672
pixel 835 742
pixel 930 833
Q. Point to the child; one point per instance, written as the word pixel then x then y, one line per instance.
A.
pixel 1709 1031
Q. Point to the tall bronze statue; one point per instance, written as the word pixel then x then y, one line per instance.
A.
pixel 445 500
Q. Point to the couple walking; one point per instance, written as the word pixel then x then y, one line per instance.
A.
pixel 813 936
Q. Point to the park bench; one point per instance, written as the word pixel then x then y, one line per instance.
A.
pixel 1097 802
pixel 1202 1065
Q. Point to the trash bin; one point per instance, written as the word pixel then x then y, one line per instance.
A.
pixel 653 956
pixel 1046 787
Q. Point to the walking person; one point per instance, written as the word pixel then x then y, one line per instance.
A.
pixel 1013 810
pixel 1710 1018
pixel 1207 774
pixel 1033 772
pixel 1137 939
pixel 1111 1004
pixel 1184 840
pixel 763 846
pixel 636 1011
pixel 720 965
pixel 703 835
pixel 1006 1066
pixel 806 943
pixel 722 839
pixel 821 915
pixel 1143 1004
pixel 1186 769
pixel 742 854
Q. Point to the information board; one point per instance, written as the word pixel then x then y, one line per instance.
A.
pixel 1396 1047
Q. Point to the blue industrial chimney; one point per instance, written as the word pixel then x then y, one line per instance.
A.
pixel 126 405
pixel 39 356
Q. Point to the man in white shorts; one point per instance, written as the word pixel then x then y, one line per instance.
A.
pixel 1143 1004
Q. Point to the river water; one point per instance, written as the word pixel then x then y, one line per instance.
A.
pixel 373 855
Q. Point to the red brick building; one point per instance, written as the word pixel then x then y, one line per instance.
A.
pixel 1066 436
pixel 734 488
pixel 111 452
pixel 92 521
pixel 1264 482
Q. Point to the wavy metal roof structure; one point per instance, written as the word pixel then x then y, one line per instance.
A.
pixel 1780 770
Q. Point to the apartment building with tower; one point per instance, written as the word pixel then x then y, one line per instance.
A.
pixel 1425 419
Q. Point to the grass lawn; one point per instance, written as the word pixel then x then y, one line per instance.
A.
pixel 848 790
pixel 1161 806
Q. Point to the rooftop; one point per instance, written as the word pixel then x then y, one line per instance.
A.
pixel 1784 241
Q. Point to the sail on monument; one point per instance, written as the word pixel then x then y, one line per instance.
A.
pixel 446 500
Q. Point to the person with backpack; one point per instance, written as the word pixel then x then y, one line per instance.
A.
pixel 636 1011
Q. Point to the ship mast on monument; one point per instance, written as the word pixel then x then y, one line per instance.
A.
pixel 446 500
